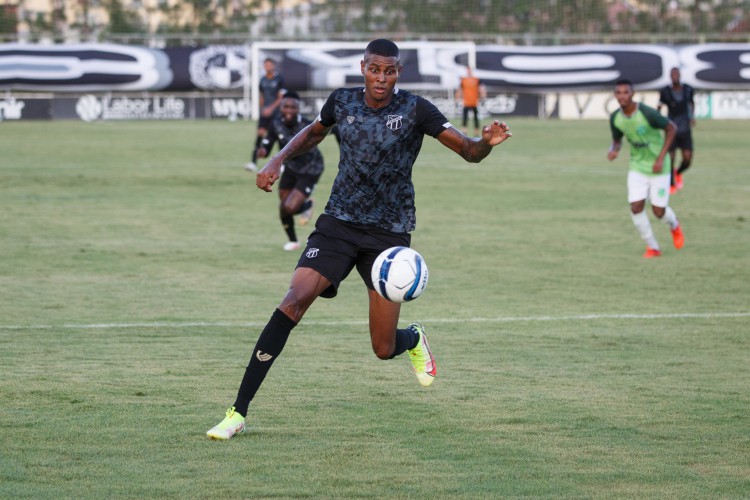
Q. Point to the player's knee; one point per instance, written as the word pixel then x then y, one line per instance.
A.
pixel 294 310
pixel 383 352
pixel 295 304
pixel 637 207
pixel 287 209
pixel 383 349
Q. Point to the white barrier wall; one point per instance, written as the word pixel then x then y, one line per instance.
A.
pixel 721 105
pixel 717 105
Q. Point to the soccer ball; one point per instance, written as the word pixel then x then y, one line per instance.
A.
pixel 399 274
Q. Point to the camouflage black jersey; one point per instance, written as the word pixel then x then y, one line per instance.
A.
pixel 310 163
pixel 270 88
pixel 679 105
pixel 378 149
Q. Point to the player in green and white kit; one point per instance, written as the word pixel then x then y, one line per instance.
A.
pixel 650 165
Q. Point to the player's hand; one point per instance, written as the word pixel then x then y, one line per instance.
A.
pixel 262 152
pixel 658 166
pixel 495 133
pixel 268 175
pixel 266 112
pixel 612 154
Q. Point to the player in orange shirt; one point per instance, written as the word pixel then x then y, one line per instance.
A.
pixel 471 90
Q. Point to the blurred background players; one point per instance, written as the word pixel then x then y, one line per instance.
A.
pixel 650 165
pixel 271 91
pixel 678 98
pixel 300 174
pixel 469 91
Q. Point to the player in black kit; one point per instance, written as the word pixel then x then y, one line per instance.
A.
pixel 371 208
pixel 679 98
pixel 301 173
pixel 271 88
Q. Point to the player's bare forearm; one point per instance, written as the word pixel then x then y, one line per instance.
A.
pixel 475 150
pixel 493 135
pixel 304 141
pixel 670 134
pixel 614 150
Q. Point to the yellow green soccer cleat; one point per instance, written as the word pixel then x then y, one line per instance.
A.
pixel 233 423
pixel 421 357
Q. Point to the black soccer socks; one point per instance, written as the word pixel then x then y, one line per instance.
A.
pixel 270 344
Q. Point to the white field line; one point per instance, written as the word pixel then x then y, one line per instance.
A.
pixel 498 319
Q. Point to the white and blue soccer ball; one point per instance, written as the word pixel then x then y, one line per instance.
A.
pixel 399 274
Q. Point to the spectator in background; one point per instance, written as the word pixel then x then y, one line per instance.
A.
pixel 648 178
pixel 271 91
pixel 679 100
pixel 469 92
pixel 300 174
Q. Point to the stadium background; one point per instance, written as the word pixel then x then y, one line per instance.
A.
pixel 129 60
pixel 139 260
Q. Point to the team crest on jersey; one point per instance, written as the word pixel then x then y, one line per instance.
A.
pixel 394 122
pixel 350 119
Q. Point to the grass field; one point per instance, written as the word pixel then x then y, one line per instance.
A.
pixel 138 263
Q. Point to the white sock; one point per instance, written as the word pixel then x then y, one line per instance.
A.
pixel 643 225
pixel 670 218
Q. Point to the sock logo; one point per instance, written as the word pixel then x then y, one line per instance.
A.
pixel 263 357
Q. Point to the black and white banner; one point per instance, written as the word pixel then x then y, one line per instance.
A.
pixel 97 107
pixel 324 66
pixel 109 67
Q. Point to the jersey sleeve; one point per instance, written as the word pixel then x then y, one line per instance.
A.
pixel 327 116
pixel 663 99
pixel 429 118
pixel 616 132
pixel 655 119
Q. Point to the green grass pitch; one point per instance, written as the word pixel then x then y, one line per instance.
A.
pixel 138 262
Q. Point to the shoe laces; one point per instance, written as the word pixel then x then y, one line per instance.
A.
pixel 230 412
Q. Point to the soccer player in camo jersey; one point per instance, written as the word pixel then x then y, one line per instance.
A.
pixel 679 98
pixel 650 165
pixel 371 208
pixel 271 88
pixel 301 173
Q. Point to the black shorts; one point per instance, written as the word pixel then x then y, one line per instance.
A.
pixel 266 121
pixel 465 117
pixel 336 246
pixel 682 142
pixel 292 180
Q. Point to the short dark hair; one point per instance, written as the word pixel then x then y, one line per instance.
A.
pixel 624 81
pixel 382 47
pixel 291 94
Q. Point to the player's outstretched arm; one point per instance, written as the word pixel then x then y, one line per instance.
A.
pixel 304 141
pixel 614 150
pixel 475 150
pixel 670 132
